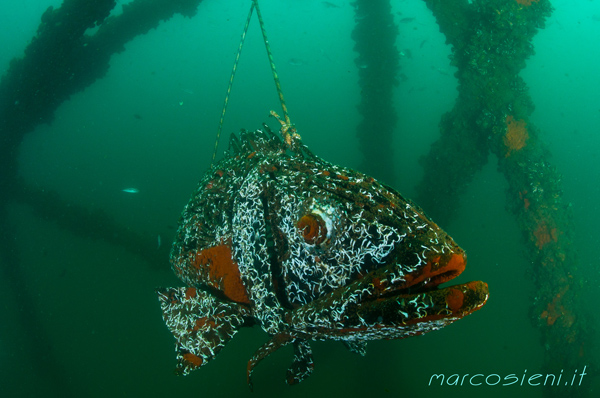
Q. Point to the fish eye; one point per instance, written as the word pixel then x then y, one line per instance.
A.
pixel 312 228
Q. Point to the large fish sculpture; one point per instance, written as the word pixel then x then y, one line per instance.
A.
pixel 277 237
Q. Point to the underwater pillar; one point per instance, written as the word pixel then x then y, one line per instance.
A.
pixel 375 36
pixel 60 61
pixel 491 41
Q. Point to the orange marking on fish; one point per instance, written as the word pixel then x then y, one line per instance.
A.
pixel 193 359
pixel 455 299
pixel 190 292
pixel 223 271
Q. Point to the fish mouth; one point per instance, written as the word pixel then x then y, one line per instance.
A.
pixel 417 296
pixel 437 270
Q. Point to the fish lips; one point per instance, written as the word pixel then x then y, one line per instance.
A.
pixel 417 298
pixel 376 306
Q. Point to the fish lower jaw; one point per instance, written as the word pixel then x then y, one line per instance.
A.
pixel 411 307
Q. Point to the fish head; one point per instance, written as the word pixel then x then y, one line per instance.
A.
pixel 357 261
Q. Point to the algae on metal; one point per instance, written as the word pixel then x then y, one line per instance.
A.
pixel 61 60
pixel 491 41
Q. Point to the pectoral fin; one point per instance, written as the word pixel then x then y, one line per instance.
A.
pixel 301 367
pixel 303 364
pixel 201 323
pixel 357 346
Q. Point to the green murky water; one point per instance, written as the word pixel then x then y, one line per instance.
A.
pixel 150 124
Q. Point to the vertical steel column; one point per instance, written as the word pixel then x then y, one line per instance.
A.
pixel 375 36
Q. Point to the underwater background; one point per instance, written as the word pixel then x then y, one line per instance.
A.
pixel 150 124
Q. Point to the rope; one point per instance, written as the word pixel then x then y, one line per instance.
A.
pixel 286 125
pixel 235 64
pixel 273 69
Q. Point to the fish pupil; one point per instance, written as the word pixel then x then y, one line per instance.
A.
pixel 313 229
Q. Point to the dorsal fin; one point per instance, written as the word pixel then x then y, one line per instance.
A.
pixel 263 140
